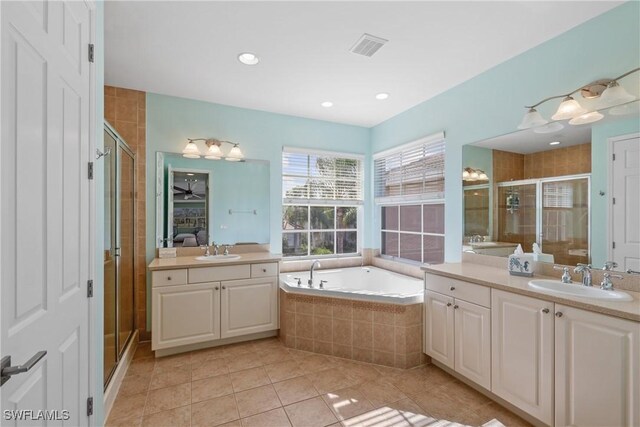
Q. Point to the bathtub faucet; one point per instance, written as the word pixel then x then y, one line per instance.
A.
pixel 313 266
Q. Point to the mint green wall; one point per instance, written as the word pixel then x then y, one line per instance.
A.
pixel 599 176
pixel 171 120
pixel 98 273
pixel 492 103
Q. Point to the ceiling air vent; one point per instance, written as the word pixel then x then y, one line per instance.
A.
pixel 367 45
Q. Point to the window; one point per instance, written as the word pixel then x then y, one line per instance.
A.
pixel 409 188
pixel 322 198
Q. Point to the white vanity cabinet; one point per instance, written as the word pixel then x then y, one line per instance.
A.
pixel 458 327
pixel 522 352
pixel 205 304
pixel 597 372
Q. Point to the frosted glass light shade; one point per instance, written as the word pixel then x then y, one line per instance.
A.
pixel 483 176
pixel 532 118
pixel 549 128
pixel 594 116
pixel 465 174
pixel 568 109
pixel 614 94
pixel 214 152
pixel 191 151
pixel 235 155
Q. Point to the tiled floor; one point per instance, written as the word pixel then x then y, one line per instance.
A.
pixel 262 383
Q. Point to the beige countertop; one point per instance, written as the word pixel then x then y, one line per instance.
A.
pixel 499 278
pixel 191 262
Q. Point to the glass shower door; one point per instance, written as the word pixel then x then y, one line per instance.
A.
pixel 565 220
pixel 110 260
pixel 126 240
pixel 517 214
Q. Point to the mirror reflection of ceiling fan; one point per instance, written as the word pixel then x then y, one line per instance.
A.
pixel 188 192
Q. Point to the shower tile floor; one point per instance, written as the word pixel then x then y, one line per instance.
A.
pixel 263 384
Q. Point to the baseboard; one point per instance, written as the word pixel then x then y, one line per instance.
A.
pixel 112 389
pixel 519 412
pixel 199 346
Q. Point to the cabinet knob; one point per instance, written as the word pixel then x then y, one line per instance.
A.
pixel 453 288
pixel 168 277
pixel 448 304
pixel 545 310
pixel 216 288
pixel 558 314
pixel 455 306
pixel 264 270
pixel 224 287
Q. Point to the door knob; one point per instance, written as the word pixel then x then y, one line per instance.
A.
pixel 455 306
pixel 216 288
pixel 7 371
pixel 448 304
pixel 558 314
pixel 545 310
pixel 224 287
pixel 453 288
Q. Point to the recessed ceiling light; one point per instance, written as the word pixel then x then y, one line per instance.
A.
pixel 554 143
pixel 382 96
pixel 327 104
pixel 248 58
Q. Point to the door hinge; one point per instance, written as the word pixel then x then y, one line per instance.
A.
pixel 614 245
pixel 89 288
pixel 91 52
pixel 90 170
pixel 89 406
pixel 613 156
pixel 614 200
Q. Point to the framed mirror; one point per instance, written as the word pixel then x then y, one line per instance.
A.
pixel 557 192
pixel 201 201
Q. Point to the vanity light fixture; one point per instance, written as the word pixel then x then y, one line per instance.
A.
pixel 214 151
pixel 248 58
pixel 470 174
pixel 610 92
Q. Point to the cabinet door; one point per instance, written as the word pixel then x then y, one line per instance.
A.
pixel 438 328
pixel 185 314
pixel 249 306
pixel 473 342
pixel 597 373
pixel 522 352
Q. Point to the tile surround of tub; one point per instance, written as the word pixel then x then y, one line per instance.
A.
pixel 384 334
pixel 630 282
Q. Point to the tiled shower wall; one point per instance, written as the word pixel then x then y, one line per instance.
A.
pixel 125 110
pixel 385 334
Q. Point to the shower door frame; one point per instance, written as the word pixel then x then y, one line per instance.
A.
pixel 538 182
pixel 121 143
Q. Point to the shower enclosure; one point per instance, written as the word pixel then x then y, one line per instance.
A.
pixel 553 212
pixel 119 238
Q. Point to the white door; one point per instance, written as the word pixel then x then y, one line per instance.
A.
pixel 185 314
pixel 248 306
pixel 625 212
pixel 473 342
pixel 522 352
pixel 438 328
pixel 45 197
pixel 597 369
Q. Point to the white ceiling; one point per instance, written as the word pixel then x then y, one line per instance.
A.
pixel 189 49
pixel 527 141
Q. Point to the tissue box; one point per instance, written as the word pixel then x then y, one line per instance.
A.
pixel 167 252
pixel 521 265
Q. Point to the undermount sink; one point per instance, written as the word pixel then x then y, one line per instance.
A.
pixel 217 258
pixel 559 288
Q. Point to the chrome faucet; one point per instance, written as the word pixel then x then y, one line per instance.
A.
pixel 566 277
pixel 606 281
pixel 476 238
pixel 313 266
pixel 226 249
pixel 585 269
pixel 609 265
pixel 215 248
pixel 206 250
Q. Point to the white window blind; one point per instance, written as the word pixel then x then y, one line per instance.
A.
pixel 321 177
pixel 414 171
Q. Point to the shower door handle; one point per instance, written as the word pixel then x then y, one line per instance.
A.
pixel 116 251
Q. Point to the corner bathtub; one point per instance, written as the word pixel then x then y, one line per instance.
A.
pixel 357 283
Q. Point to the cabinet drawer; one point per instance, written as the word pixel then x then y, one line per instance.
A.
pixel 466 291
pixel 264 270
pixel 216 274
pixel 169 277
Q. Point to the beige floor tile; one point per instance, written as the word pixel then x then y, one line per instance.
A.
pixel 165 377
pixel 295 390
pixel 234 350
pixel 257 400
pixel 131 406
pixel 143 350
pixel 283 370
pixel 310 413
pixel 404 413
pixel 173 361
pixel 210 368
pixel 133 421
pixel 249 378
pixel 314 363
pixel 207 354
pixel 450 401
pixel 274 355
pixel 168 398
pixel 492 411
pixel 142 366
pixel 347 403
pixel 177 417
pixel 235 423
pixel 381 392
pixel 134 384
pixel 274 418
pixel 209 388
pixel 361 372
pixel 214 412
pixel 330 380
pixel 243 361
